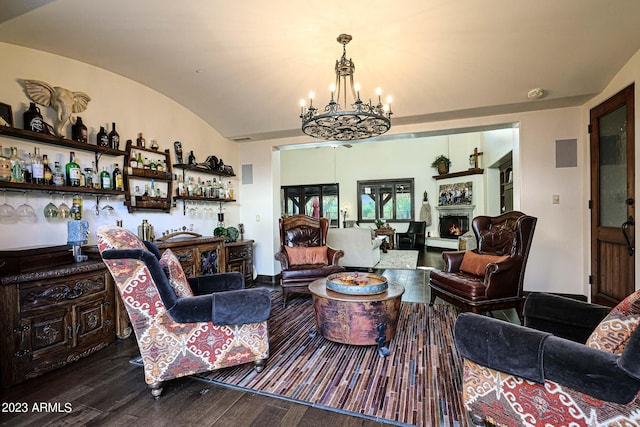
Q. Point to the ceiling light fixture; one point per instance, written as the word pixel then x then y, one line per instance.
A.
pixel 336 122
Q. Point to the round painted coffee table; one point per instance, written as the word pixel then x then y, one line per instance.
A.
pixel 357 319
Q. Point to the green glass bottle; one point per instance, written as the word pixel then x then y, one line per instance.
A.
pixel 105 179
pixel 73 171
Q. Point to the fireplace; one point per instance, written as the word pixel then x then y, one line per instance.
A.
pixel 453 226
pixel 454 220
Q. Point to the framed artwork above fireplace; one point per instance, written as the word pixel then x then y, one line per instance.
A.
pixel 460 193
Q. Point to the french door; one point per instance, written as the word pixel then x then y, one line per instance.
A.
pixel 612 136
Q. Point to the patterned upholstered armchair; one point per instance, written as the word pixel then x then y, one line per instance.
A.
pixel 304 255
pixel 184 326
pixel 572 364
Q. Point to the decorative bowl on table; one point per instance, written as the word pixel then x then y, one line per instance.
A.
pixel 357 283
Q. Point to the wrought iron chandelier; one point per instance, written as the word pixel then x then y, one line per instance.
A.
pixel 336 122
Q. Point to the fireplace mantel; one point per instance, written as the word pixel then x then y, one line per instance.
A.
pixel 456 209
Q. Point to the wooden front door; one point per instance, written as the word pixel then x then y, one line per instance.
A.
pixel 612 198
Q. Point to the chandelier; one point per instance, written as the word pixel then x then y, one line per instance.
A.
pixel 336 122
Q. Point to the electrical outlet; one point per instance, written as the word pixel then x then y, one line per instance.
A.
pixel 555 199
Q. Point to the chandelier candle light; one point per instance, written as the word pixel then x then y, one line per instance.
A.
pixel 336 122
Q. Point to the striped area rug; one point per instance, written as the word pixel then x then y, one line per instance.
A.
pixel 419 383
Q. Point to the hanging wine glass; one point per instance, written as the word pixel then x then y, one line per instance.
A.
pixel 63 210
pixel 50 210
pixel 7 212
pixel 25 212
pixel 107 210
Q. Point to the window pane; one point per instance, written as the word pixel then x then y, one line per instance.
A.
pixel 403 201
pixel 613 168
pixel 312 201
pixel 292 201
pixel 368 207
pixel 386 201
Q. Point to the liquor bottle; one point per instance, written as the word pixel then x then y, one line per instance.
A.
pixel 79 131
pixel 76 207
pixel 140 162
pixel 33 119
pixel 105 179
pixel 102 139
pixel 95 177
pixel 114 137
pixel 58 176
pixel 27 168
pixel 145 164
pixel 88 173
pixel 5 166
pixel 134 160
pixel 230 190
pixel 47 173
pixel 117 178
pixel 73 171
pixel 140 142
pixel 83 178
pixel 192 159
pixel 16 166
pixel 152 165
pixel 37 168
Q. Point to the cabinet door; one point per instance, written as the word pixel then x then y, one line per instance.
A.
pixel 209 259
pixel 49 332
pixel 187 258
pixel 93 321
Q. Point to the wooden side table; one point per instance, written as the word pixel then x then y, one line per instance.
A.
pixel 357 319
pixel 389 232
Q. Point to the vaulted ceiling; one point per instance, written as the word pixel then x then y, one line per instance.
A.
pixel 243 66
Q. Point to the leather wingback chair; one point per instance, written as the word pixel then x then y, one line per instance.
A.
pixel 413 238
pixel 490 277
pixel 184 326
pixel 304 255
pixel 571 364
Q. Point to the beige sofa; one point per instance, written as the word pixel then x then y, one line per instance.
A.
pixel 361 247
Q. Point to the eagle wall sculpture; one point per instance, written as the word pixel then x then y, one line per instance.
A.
pixel 63 101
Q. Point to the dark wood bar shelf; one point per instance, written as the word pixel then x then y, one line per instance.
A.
pixel 30 136
pixel 459 174
pixel 193 168
pixel 24 187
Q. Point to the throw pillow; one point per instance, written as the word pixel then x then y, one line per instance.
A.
pixel 307 255
pixel 476 264
pixel 613 333
pixel 172 268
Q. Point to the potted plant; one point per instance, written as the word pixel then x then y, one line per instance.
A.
pixel 441 163
pixel 379 223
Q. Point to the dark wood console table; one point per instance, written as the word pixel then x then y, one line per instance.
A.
pixel 53 311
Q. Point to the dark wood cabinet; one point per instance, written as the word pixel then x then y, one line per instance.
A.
pixel 53 316
pixel 239 257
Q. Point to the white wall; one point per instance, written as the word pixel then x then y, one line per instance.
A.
pixel 134 108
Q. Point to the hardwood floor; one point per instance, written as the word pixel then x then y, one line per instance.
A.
pixel 104 389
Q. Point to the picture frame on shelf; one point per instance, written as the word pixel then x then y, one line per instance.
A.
pixel 6 115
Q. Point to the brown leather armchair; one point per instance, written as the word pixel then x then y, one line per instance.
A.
pixel 304 255
pixel 489 277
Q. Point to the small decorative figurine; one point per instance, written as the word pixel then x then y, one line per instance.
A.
pixel 178 148
pixel 63 101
